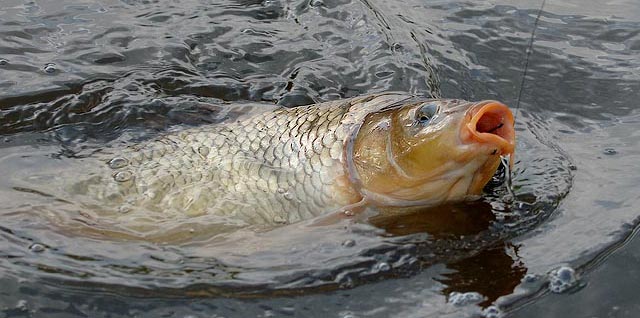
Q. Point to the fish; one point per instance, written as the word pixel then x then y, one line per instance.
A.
pixel 285 165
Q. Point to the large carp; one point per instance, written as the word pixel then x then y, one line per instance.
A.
pixel 291 164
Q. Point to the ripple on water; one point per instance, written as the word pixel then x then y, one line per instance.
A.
pixel 163 66
pixel 293 256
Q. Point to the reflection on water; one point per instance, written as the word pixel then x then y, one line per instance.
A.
pixel 452 220
pixel 76 75
pixel 493 272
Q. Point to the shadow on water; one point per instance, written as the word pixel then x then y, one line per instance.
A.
pixel 493 270
pixel 452 220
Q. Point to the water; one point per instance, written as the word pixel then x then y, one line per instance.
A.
pixel 76 75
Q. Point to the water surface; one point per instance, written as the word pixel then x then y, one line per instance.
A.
pixel 79 75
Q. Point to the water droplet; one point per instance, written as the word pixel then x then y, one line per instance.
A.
pixel 461 299
pixel 281 190
pixel 123 176
pixel 203 151
pixel 609 151
pixel 491 312
pixel 192 230
pixel 117 163
pixel 279 219
pixel 383 267
pixel 37 248
pixel 573 167
pixel 349 243
pixel 288 196
pixel 316 3
pixel 348 213
pixel 50 68
pixel 562 279
pixel 4 62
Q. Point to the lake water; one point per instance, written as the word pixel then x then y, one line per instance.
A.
pixel 77 76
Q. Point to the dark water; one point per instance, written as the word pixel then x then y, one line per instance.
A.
pixel 75 75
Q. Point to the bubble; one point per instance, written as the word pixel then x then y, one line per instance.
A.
pixel 131 87
pixel 530 278
pixel 562 279
pixel 123 176
pixel 150 194
pixel 349 243
pixel 288 196
pixel 4 62
pixel 316 3
pixel 281 190
pixel 491 312
pixel 203 151
pixel 461 299
pixel 348 213
pixel 609 151
pixel 124 209
pixel 117 163
pixel 383 267
pixel 50 68
pixel 279 219
pixel 347 283
pixel 22 305
pixel 508 198
pixel 37 248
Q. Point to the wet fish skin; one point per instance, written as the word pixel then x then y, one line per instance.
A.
pixel 291 164
pixel 276 167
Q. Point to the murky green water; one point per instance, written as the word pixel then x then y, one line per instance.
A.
pixel 78 75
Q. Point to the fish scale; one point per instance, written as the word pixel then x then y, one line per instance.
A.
pixel 279 166
pixel 283 165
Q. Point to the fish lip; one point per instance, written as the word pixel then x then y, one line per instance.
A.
pixel 485 114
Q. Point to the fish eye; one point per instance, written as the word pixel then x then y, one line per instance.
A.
pixel 425 113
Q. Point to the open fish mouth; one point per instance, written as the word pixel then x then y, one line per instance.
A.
pixel 491 123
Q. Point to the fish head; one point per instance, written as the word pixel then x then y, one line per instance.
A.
pixel 431 151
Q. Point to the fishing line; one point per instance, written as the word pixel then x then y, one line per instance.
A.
pixel 526 61
pixel 508 164
pixel 521 89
